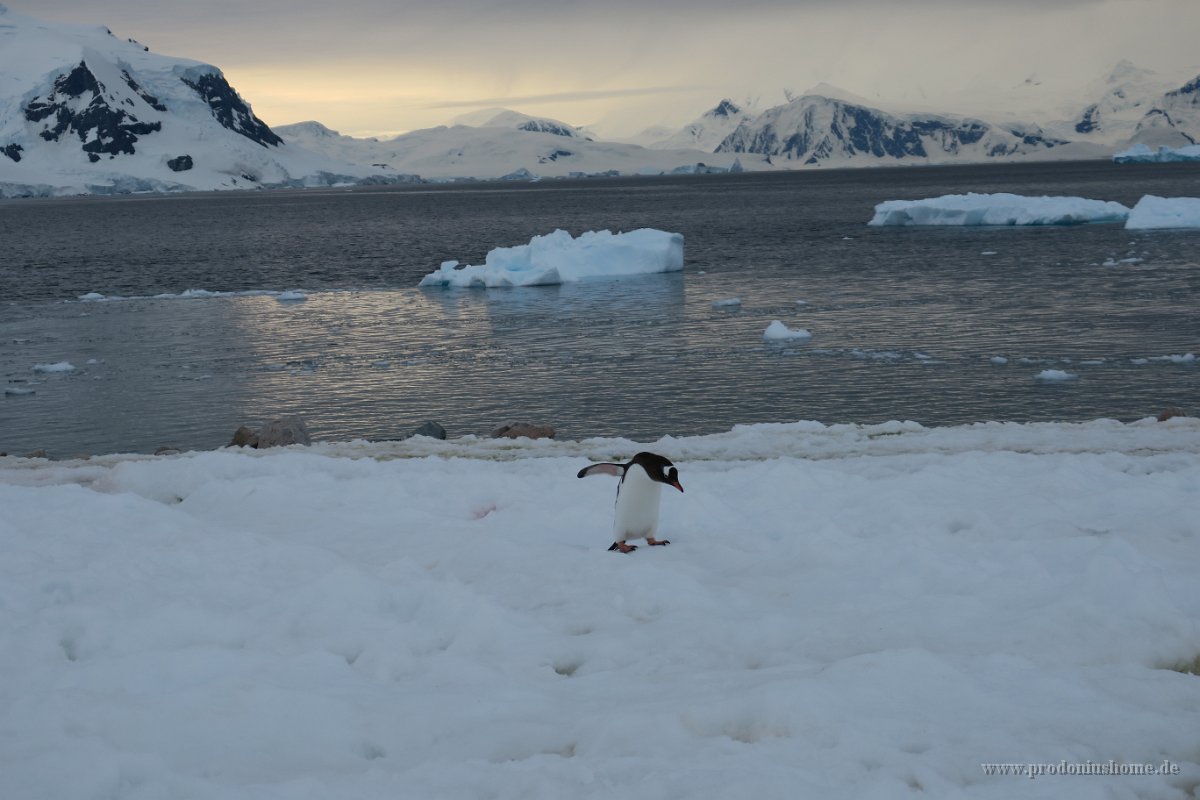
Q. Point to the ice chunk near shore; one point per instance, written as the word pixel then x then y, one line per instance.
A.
pixel 778 332
pixel 731 302
pixel 1153 212
pixel 58 366
pixel 997 209
pixel 559 258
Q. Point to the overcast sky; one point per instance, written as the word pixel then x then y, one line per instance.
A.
pixel 372 67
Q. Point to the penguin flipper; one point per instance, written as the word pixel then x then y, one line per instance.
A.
pixel 616 470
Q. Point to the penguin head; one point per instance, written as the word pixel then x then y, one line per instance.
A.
pixel 658 468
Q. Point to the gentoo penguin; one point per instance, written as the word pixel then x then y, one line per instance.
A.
pixel 638 493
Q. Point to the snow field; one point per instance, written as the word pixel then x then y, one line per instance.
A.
pixel 873 622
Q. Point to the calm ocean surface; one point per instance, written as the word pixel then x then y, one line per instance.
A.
pixel 905 322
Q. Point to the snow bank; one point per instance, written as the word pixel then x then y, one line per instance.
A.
pixel 558 258
pixel 778 332
pixel 997 209
pixel 1164 212
pixel 355 621
pixel 1142 154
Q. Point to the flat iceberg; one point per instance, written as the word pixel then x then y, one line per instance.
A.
pixel 1142 154
pixel 58 366
pixel 1153 212
pixel 997 209
pixel 559 258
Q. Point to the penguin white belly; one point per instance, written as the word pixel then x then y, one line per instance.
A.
pixel 636 515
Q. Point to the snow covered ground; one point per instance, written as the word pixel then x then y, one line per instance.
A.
pixel 1000 208
pixel 844 612
pixel 560 258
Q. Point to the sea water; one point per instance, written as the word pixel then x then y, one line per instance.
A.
pixel 940 326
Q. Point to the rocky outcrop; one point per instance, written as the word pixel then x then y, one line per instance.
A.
pixel 514 430
pixel 279 432
pixel 79 104
pixel 229 109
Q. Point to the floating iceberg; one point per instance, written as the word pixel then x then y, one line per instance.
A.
pixel 1164 212
pixel 1142 154
pixel 1054 376
pixel 997 209
pixel 59 366
pixel 558 258
pixel 778 332
pixel 732 302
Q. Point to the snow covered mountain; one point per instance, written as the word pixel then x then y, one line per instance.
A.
pixel 522 148
pixel 82 111
pixel 507 118
pixel 1139 106
pixel 814 130
pixel 707 131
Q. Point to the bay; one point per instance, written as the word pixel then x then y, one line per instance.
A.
pixel 907 323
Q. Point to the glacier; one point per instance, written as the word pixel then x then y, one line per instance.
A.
pixel 1144 154
pixel 558 257
pixel 999 208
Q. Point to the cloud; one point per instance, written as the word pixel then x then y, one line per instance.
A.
pixel 564 97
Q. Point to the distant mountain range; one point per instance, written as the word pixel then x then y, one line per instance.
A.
pixel 84 112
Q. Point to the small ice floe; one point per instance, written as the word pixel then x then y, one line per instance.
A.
pixel 988 253
pixel 291 296
pixel 778 332
pixel 876 355
pixel 1092 362
pixel 1178 358
pixel 92 297
pixel 999 361
pixel 801 302
pixel 731 302
pixel 93 361
pixel 58 366
pixel 381 364
pixel 18 391
pixel 1054 376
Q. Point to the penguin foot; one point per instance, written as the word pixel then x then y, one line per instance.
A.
pixel 622 547
pixel 656 542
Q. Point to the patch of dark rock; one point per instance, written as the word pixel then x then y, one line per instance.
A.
pixel 515 430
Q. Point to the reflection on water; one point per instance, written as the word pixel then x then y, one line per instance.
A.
pixel 906 323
